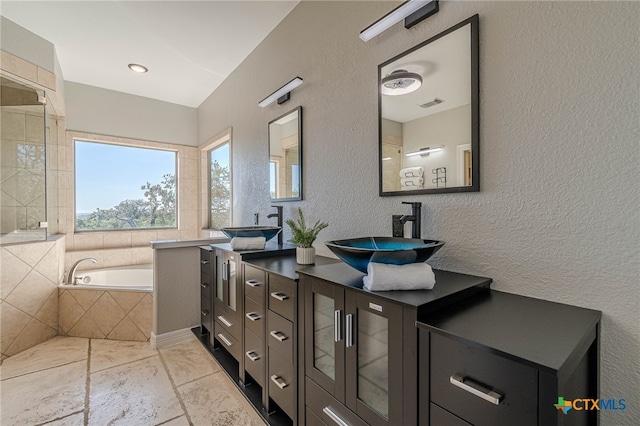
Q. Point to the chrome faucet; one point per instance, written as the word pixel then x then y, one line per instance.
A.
pixel 278 214
pixel 71 278
pixel 414 218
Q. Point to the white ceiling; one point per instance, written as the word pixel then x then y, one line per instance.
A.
pixel 190 47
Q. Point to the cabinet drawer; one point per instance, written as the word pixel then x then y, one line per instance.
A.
pixel 228 341
pixel 282 383
pixel 282 296
pixel 480 387
pixel 327 408
pixel 227 322
pixel 255 282
pixel 312 419
pixel 441 417
pixel 206 257
pixel 206 284
pixel 280 335
pixel 254 353
pixel 206 315
pixel 254 319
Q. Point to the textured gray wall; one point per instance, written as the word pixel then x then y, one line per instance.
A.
pixel 95 110
pixel 557 215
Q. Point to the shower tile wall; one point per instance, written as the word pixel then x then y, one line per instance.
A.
pixel 29 293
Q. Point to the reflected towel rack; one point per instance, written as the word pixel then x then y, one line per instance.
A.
pixel 441 176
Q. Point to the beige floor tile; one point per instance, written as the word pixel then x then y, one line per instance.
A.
pixel 112 353
pixel 188 361
pixel 72 420
pixel 53 353
pixel 33 334
pixel 44 395
pixel 180 421
pixel 138 393
pixel 214 400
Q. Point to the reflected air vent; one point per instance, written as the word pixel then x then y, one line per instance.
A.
pixel 432 102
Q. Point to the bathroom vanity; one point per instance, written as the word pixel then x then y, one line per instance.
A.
pixel 309 345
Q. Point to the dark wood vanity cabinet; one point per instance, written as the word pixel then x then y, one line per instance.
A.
pixel 228 302
pixel 501 358
pixel 207 262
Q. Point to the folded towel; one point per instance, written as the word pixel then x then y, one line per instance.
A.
pixel 412 181
pixel 412 276
pixel 412 172
pixel 248 243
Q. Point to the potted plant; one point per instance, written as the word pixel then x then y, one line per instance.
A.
pixel 304 237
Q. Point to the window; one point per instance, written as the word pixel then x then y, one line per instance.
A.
pixel 220 186
pixel 124 187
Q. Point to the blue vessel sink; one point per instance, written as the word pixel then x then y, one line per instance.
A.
pixel 358 252
pixel 267 232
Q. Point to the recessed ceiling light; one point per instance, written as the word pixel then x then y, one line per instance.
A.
pixel 138 68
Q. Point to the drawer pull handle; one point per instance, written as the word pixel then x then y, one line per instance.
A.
pixel 333 416
pixel 204 313
pixel 204 285
pixel 224 321
pixel 204 262
pixel 486 394
pixel 225 340
pixel 253 283
pixel 252 355
pixel 337 325
pixel 280 383
pixel 278 335
pixel 279 296
pixel 349 327
pixel 253 316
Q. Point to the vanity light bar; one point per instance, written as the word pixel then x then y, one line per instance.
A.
pixel 405 10
pixel 282 92
pixel 423 151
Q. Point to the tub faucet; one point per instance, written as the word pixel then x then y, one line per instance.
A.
pixel 278 214
pixel 71 278
pixel 414 218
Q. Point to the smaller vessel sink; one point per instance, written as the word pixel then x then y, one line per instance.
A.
pixel 268 232
pixel 358 252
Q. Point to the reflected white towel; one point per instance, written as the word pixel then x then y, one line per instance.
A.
pixel 413 276
pixel 248 243
pixel 413 181
pixel 412 172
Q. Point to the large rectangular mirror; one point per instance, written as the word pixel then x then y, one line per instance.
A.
pixel 285 156
pixel 428 101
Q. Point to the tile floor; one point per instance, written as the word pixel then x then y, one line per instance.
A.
pixel 70 381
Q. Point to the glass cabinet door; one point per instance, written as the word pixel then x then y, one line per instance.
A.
pixel 373 336
pixel 324 336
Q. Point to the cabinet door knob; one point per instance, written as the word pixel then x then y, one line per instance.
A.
pixel 224 321
pixel 349 328
pixel 252 355
pixel 337 325
pixel 480 390
pixel 253 316
pixel 253 283
pixel 204 285
pixel 204 262
pixel 279 296
pixel 225 340
pixel 204 313
pixel 280 383
pixel 278 335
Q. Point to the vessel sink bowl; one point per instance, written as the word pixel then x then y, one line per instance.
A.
pixel 268 232
pixel 358 252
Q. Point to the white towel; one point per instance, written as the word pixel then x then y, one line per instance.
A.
pixel 412 172
pixel 248 243
pixel 412 276
pixel 412 181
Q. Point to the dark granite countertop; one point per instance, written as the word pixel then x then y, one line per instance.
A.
pixel 272 248
pixel 286 265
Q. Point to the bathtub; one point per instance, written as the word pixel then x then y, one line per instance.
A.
pixel 111 303
pixel 131 278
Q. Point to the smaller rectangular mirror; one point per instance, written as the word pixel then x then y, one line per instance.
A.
pixel 285 156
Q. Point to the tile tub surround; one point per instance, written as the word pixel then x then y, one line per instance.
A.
pixel 29 276
pixel 79 381
pixel 105 314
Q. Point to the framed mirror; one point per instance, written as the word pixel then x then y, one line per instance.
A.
pixel 428 115
pixel 285 156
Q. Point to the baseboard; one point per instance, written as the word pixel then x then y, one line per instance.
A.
pixel 171 338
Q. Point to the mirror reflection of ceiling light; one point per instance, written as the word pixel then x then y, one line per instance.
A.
pixel 401 82
pixel 424 151
pixel 138 68
pixel 386 159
